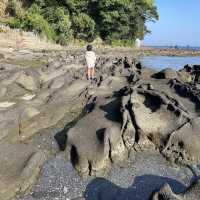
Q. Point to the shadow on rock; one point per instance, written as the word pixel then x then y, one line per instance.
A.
pixel 141 189
pixel 61 136
pixel 61 139
pixel 112 110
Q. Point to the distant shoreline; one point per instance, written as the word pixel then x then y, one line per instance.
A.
pixel 188 48
pixel 167 51
pixel 144 51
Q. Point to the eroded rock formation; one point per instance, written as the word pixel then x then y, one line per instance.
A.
pixel 127 108
pixel 158 110
pixel 43 99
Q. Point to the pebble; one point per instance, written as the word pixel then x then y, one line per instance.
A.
pixel 6 104
pixel 65 190
pixel 149 172
pixel 28 97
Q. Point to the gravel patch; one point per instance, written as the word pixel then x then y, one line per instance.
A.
pixel 136 181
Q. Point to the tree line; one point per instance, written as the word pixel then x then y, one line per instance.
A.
pixel 114 21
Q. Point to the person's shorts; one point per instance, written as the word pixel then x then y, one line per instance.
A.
pixel 90 66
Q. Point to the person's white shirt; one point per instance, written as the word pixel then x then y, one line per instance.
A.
pixel 90 58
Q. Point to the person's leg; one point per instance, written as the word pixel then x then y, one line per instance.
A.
pixel 93 72
pixel 88 73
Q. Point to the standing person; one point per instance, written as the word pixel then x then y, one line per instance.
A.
pixel 90 58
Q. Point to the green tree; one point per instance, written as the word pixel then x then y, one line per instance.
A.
pixel 114 21
pixel 124 19
pixel 76 6
pixel 83 26
pixel 60 21
pixel 36 22
pixel 144 11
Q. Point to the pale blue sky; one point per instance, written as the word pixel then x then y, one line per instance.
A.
pixel 179 23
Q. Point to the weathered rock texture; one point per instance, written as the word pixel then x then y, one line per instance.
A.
pixel 20 167
pixel 153 110
pixel 125 109
pixel 96 140
pixel 41 92
pixel 166 193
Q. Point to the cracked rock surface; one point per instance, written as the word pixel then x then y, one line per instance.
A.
pixel 136 128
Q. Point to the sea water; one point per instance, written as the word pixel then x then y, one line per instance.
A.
pixel 162 62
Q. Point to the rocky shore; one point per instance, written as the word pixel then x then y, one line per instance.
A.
pixel 136 128
pixel 150 51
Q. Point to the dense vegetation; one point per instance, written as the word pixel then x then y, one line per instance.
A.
pixel 114 21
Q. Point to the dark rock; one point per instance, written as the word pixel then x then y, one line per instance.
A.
pixel 166 74
pixel 92 150
pixel 166 193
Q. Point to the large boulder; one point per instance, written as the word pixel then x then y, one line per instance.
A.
pixel 96 141
pixel 183 146
pixel 9 129
pixel 35 121
pixel 15 90
pixel 27 81
pixel 155 114
pixel 2 56
pixel 185 76
pixel 146 73
pixel 108 86
pixel 3 91
pixel 19 169
pixel 170 73
pixel 53 110
pixel 167 73
pixel 57 82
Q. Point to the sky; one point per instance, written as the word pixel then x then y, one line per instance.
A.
pixel 179 24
